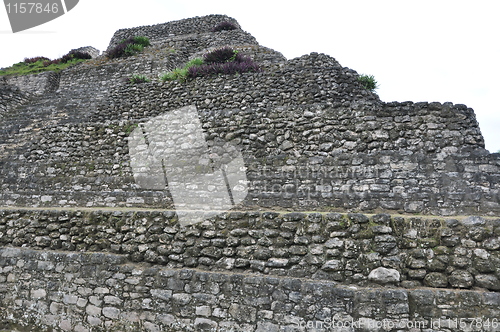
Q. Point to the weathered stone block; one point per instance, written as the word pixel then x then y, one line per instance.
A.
pixel 111 312
pixel 242 313
pixel 436 279
pixel 93 310
pixel 461 279
pixel 487 281
pixel 383 275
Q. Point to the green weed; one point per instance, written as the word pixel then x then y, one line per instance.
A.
pixel 368 82
pixel 180 74
pixel 139 79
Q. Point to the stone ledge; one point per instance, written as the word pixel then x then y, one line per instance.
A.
pixel 347 248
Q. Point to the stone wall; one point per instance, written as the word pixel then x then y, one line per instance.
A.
pixel 157 32
pixel 416 158
pixel 347 248
pixel 37 84
pixel 92 51
pixel 311 136
pixel 83 292
pixel 11 97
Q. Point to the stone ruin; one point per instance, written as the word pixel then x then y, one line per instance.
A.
pixel 356 212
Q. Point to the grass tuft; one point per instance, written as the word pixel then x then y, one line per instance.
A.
pixel 136 79
pixel 181 74
pixel 368 82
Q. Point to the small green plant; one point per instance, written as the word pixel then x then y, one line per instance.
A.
pixel 132 49
pixel 140 40
pixel 135 79
pixel 180 74
pixel 368 82
pixel 235 55
pixel 194 62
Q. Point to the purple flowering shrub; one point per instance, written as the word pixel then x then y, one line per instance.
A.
pixel 225 61
pixel 224 26
pixel 129 46
pixel 35 59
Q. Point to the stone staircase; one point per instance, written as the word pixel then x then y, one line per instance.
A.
pixel 114 269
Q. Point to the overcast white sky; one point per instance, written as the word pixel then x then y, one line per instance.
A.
pixel 425 50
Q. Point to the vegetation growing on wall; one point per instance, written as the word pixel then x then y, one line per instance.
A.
pixel 222 55
pixel 128 47
pixel 223 61
pixel 181 74
pixel 368 82
pixel 40 64
pixel 36 59
pixel 135 79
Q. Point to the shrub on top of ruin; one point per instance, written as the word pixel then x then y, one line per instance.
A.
pixel 80 55
pixel 128 47
pixel 368 82
pixel 72 56
pixel 117 51
pixel 225 61
pixel 132 49
pixel 40 64
pixel 224 26
pixel 141 40
pixel 35 59
pixel 220 55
